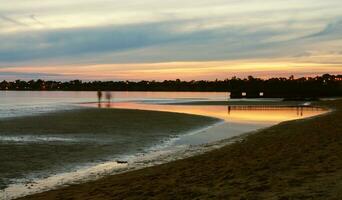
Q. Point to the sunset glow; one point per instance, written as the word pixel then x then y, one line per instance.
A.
pixel 157 40
pixel 174 70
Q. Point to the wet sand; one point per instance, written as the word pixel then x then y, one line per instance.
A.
pixel 56 142
pixel 298 159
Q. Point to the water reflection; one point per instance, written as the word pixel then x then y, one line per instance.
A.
pixel 271 113
pixel 23 103
pixel 245 114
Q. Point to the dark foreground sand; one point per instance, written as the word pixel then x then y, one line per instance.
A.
pixel 293 160
pixel 94 135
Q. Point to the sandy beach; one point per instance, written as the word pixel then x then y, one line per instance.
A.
pixel 171 100
pixel 297 159
pixel 56 142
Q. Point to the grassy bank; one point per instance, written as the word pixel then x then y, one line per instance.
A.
pixel 293 160
pixel 33 144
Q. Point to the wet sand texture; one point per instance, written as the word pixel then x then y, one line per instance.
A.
pixel 299 159
pixel 92 134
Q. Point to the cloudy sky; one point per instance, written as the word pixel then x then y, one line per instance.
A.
pixel 168 39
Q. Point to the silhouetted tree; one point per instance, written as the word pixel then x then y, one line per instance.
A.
pixel 280 87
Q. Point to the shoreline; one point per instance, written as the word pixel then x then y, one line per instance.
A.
pixel 78 191
pixel 157 155
pixel 166 121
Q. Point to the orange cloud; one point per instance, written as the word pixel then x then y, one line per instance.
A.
pixel 185 70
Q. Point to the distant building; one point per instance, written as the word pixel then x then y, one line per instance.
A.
pixel 246 94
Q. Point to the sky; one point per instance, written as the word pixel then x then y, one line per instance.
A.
pixel 169 39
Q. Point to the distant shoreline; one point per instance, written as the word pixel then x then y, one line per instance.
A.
pixel 325 85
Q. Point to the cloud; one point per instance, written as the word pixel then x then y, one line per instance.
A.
pixel 13 21
pixel 331 29
pixel 26 76
pixel 73 42
pixel 195 44
pixel 34 18
pixel 153 31
pixel 185 70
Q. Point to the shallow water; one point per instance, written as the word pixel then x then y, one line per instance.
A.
pixel 239 114
pixel 19 103
pixel 235 121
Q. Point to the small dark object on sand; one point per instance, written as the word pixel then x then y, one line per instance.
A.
pixel 121 162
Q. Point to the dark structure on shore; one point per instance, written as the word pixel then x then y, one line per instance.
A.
pixel 290 88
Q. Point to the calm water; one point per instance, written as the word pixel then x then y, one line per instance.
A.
pixel 243 114
pixel 13 103
pixel 235 121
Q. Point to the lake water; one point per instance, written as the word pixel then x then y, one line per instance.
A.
pixel 19 103
pixel 234 121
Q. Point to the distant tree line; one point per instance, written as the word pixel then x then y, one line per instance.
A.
pixel 320 86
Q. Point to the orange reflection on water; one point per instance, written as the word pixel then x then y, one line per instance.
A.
pixel 243 114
